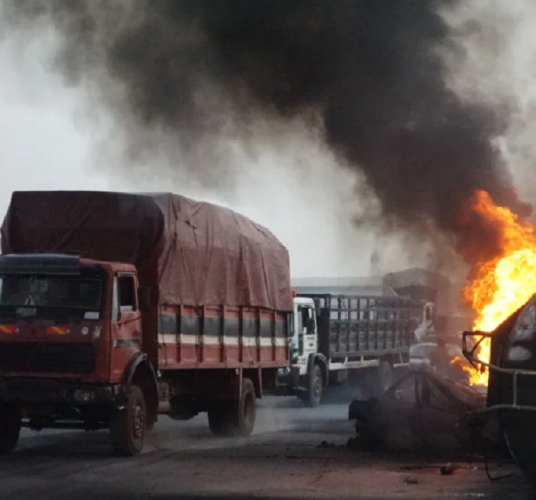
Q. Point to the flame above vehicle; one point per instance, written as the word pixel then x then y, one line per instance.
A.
pixel 501 284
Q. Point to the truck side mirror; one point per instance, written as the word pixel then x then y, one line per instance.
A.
pixel 144 297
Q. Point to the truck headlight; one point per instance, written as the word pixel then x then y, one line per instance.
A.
pixel 84 395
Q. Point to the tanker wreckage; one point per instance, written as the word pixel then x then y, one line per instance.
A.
pixel 428 413
pixel 511 395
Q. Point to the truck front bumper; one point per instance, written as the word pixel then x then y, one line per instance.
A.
pixel 54 391
pixel 288 380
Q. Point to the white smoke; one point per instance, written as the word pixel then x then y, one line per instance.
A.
pixel 40 147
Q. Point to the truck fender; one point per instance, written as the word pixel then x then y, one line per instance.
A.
pixel 138 360
pixel 320 360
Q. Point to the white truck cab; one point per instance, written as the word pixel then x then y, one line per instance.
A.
pixel 308 373
pixel 304 340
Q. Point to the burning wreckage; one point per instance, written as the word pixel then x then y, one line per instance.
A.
pixel 502 293
pixel 423 412
pixel 428 411
pixel 431 410
pixel 511 395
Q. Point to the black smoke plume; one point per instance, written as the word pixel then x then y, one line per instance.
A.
pixel 370 69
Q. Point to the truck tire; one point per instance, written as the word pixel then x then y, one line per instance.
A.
pixel 10 423
pixel 235 418
pixel 129 425
pixel 315 387
pixel 381 379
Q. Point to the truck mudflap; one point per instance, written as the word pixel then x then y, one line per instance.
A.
pixel 52 391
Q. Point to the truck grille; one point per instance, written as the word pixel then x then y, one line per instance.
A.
pixel 59 358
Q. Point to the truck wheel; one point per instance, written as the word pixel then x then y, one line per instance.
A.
pixel 10 423
pixel 235 418
pixel 217 421
pixel 315 387
pixel 128 426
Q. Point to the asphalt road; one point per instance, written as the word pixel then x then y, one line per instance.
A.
pixel 294 453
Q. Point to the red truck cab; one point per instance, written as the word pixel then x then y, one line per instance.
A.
pixel 69 328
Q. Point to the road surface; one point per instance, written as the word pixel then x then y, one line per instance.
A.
pixel 294 453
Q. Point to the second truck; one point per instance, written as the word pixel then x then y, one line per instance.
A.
pixel 356 340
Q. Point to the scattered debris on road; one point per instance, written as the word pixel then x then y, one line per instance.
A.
pixel 444 469
pixel 423 412
pixel 448 470
pixel 326 444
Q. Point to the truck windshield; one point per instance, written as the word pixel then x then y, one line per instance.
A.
pixel 48 292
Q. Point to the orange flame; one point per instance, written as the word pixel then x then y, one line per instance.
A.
pixel 503 284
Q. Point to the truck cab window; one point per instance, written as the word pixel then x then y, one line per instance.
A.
pixel 127 295
pixel 124 295
pixel 306 320
pixel 82 293
pixel 304 313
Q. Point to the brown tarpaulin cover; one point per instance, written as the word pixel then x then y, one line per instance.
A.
pixel 198 253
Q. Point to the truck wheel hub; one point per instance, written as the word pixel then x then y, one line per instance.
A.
pixel 316 387
pixel 139 421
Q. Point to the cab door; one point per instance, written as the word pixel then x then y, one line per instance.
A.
pixel 126 322
pixel 306 331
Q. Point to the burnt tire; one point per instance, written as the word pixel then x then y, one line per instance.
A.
pixel 315 387
pixel 235 418
pixel 10 424
pixel 129 425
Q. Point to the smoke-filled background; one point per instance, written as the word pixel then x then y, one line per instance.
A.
pixel 351 128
